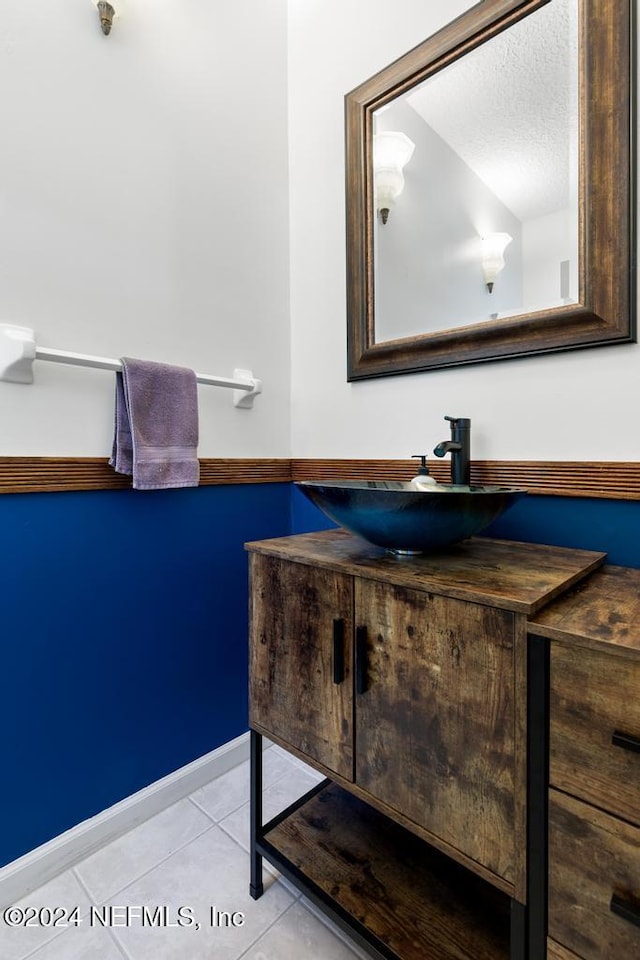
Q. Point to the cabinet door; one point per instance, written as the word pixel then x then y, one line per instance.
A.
pixel 301 641
pixel 435 716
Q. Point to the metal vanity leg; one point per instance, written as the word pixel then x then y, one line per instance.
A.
pixel 538 793
pixel 518 948
pixel 529 924
pixel 256 888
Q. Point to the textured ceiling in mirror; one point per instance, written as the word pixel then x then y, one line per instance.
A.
pixel 519 93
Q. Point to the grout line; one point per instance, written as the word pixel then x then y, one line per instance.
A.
pixel 246 803
pixel 228 812
pixel 120 946
pixel 150 869
pixel 61 932
pixel 46 943
pixel 264 933
pixel 340 934
pixel 41 946
pixel 266 865
pixel 231 837
pixel 202 810
pixel 307 768
pixel 83 885
pixel 289 887
pixel 299 765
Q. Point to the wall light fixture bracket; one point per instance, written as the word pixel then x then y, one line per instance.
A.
pixel 107 14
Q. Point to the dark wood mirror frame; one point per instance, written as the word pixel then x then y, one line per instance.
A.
pixel 605 313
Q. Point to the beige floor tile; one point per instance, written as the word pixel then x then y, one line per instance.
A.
pixel 274 799
pixel 298 935
pixel 179 859
pixel 211 872
pixel 228 792
pixel 122 861
pixel 65 892
pixel 81 944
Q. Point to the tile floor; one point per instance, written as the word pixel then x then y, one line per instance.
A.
pixel 193 855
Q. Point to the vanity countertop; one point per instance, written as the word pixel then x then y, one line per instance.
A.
pixel 516 576
pixel 602 610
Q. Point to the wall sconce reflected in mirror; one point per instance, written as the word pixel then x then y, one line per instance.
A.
pixel 107 14
pixel 391 153
pixel 493 247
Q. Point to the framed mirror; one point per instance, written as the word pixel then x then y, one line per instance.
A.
pixel 490 200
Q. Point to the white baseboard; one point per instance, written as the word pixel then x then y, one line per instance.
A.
pixel 39 866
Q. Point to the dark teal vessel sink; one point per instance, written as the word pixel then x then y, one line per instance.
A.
pixel 394 515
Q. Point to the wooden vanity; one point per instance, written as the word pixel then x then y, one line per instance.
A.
pixel 409 683
pixel 593 638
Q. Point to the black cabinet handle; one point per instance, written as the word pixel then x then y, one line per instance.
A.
pixel 625 741
pixel 625 909
pixel 361 660
pixel 338 651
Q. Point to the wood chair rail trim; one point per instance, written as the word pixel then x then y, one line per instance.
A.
pixel 611 480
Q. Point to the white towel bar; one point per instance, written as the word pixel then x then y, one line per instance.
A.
pixel 18 350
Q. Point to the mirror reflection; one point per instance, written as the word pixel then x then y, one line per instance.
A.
pixel 475 175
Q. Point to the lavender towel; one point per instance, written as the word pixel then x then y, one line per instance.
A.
pixel 156 425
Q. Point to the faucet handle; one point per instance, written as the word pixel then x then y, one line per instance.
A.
pixel 462 422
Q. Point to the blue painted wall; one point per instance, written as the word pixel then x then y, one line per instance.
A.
pixel 612 526
pixel 124 642
pixel 124 626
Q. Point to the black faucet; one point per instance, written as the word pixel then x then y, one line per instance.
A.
pixel 460 448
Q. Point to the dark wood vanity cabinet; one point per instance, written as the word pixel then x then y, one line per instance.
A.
pixel 301 659
pixel 593 635
pixel 435 718
pixel 404 680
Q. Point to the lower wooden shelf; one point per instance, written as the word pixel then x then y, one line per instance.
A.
pixel 398 896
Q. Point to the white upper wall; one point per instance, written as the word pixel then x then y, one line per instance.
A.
pixel 572 406
pixel 143 211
